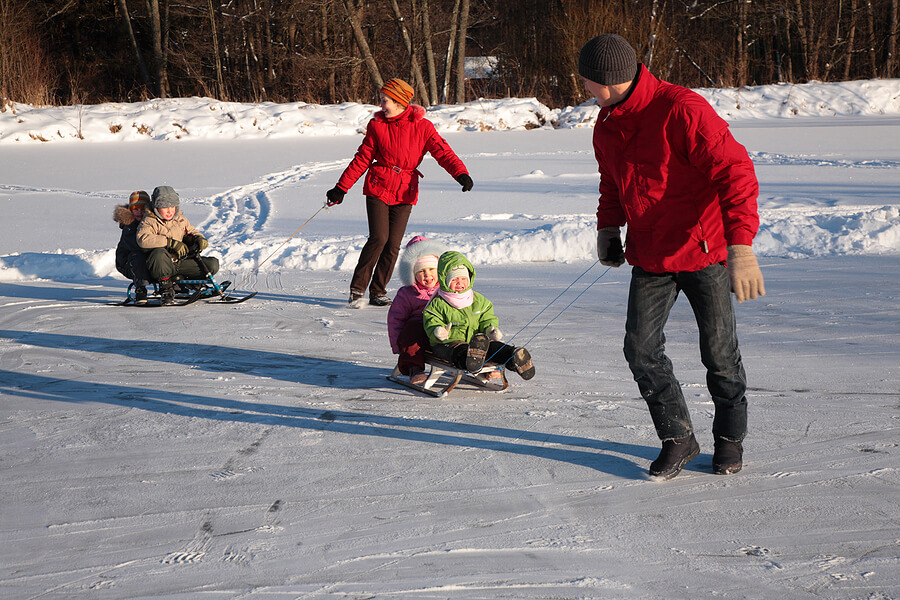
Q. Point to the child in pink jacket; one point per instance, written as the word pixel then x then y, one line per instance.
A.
pixel 418 273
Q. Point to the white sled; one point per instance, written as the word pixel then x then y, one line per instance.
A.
pixel 443 377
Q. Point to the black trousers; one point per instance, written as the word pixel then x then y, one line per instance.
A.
pixel 161 266
pixel 387 225
pixel 455 353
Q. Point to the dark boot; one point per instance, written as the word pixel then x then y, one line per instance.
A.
pixel 475 355
pixel 140 294
pixel 166 292
pixel 522 364
pixel 728 457
pixel 673 456
pixel 356 299
pixel 381 300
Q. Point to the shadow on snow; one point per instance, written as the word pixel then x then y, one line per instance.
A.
pixel 595 454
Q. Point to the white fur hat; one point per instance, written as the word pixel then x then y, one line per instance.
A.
pixel 417 247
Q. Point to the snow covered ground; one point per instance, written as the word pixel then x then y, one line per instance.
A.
pixel 257 451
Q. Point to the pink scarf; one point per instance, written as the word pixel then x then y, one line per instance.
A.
pixel 425 292
pixel 458 300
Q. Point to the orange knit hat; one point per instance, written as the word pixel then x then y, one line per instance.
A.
pixel 398 90
pixel 138 199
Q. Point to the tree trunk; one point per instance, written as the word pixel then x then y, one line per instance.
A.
pixel 417 71
pixel 873 63
pixel 451 44
pixel 363 45
pixel 220 82
pixel 742 62
pixel 851 40
pixel 156 41
pixel 126 21
pixel 429 55
pixel 655 18
pixel 328 48
pixel 461 52
pixel 803 33
pixel 890 63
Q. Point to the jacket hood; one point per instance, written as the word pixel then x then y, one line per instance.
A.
pixel 449 260
pixel 413 253
pixel 122 215
pixel 152 212
pixel 413 112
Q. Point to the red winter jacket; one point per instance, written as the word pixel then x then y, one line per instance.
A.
pixel 670 169
pixel 392 150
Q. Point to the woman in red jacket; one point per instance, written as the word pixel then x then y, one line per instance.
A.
pixel 397 138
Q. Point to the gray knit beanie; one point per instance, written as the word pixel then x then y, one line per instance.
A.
pixel 608 60
pixel 164 196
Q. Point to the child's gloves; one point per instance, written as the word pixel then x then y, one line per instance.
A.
pixel 335 196
pixel 743 270
pixel 465 181
pixel 197 243
pixel 441 333
pixel 609 247
pixel 176 247
pixel 494 333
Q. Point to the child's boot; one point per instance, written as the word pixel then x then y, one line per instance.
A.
pixel 167 292
pixel 478 347
pixel 140 294
pixel 418 377
pixel 522 364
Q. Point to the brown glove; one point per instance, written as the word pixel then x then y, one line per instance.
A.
pixel 743 270
pixel 177 247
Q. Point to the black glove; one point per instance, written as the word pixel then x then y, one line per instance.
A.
pixel 465 181
pixel 197 243
pixel 179 249
pixel 609 247
pixel 335 196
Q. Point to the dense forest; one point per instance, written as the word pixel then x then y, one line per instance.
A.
pixel 329 51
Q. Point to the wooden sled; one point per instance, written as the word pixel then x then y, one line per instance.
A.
pixel 443 377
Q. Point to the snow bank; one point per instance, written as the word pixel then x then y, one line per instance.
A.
pixel 207 118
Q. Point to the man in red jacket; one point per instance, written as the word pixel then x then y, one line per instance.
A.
pixel 672 172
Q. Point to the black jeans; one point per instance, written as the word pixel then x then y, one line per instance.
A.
pixel 650 300
pixel 161 266
pixel 387 225
pixel 455 353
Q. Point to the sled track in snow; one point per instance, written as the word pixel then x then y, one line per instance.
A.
pixel 243 211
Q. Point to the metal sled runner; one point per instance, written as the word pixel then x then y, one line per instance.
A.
pixel 189 291
pixel 443 377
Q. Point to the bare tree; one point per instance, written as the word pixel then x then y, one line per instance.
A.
pixel 220 81
pixel 741 42
pixel 414 63
pixel 451 45
pixel 461 52
pixel 129 31
pixel 157 35
pixel 429 55
pixel 851 38
pixel 656 12
pixel 891 60
pixel 363 45
pixel 870 42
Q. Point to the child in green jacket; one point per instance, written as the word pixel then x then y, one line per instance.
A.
pixel 461 325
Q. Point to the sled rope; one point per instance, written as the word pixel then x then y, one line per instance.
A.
pixel 525 345
pixel 251 273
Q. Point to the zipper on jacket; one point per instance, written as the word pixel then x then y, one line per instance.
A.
pixel 703 245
